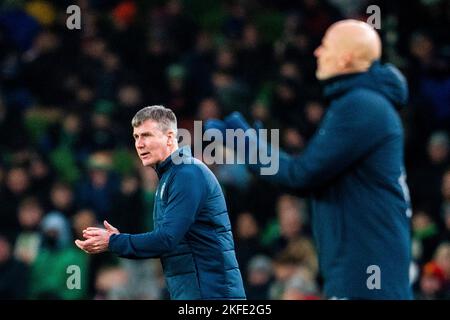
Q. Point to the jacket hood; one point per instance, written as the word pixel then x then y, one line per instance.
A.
pixel 385 79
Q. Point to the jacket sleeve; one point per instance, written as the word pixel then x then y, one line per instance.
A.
pixel 347 133
pixel 185 196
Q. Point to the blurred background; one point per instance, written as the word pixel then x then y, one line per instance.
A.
pixel 67 157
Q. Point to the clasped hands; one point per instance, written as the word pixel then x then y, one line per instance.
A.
pixel 97 239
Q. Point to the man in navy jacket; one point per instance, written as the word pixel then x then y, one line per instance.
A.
pixel 192 234
pixel 353 169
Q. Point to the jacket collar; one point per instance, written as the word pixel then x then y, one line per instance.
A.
pixel 385 79
pixel 339 84
pixel 166 164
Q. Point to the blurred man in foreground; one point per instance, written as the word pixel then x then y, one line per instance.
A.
pixel 353 169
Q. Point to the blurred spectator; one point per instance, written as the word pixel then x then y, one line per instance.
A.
pixel 2 174
pixel 247 240
pixel 236 16
pixel 125 34
pixel 12 121
pixel 181 29
pixel 260 112
pixel 155 60
pixel 290 71
pixel 14 275
pixel 110 283
pixel 142 281
pixel 304 252
pixel 292 217
pixel 101 185
pixel 28 241
pixel 426 179
pixel 317 16
pixel 431 75
pixel 438 148
pixel 445 192
pixel 446 218
pixel 149 180
pixel 127 209
pixel 208 109
pixel 287 104
pixel 254 56
pixel 435 278
pixel 67 134
pixel 41 75
pixel 425 236
pixel 57 253
pixel 101 135
pixel 259 277
pixel 93 49
pixel 17 183
pixel 110 77
pixel 301 286
pixel 295 46
pixel 41 176
pixel 81 220
pixel 62 199
pixel 431 282
pixel 314 111
pixel 199 64
pixel 42 11
pixel 442 259
pixel 293 142
pixel 230 92
pixel 179 94
pixel 286 268
pixel 129 96
pixel 350 8
pixel 20 27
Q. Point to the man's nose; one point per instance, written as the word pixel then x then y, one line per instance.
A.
pixel 139 143
pixel 317 52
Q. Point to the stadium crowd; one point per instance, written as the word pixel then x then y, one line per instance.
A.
pixel 67 159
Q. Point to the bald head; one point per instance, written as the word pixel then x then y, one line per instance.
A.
pixel 348 46
pixel 357 37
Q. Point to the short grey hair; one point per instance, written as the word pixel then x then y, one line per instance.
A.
pixel 165 117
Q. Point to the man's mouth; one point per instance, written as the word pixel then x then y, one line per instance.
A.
pixel 144 154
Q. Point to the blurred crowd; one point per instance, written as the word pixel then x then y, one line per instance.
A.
pixel 67 157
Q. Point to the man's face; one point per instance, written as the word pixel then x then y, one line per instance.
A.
pixel 151 143
pixel 327 55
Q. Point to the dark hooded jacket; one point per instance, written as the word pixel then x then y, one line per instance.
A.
pixel 192 234
pixel 353 168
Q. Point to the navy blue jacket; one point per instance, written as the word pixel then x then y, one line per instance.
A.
pixel 354 169
pixel 192 234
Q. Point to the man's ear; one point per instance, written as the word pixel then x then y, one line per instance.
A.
pixel 345 61
pixel 170 137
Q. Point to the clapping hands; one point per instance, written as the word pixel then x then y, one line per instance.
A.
pixel 97 239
